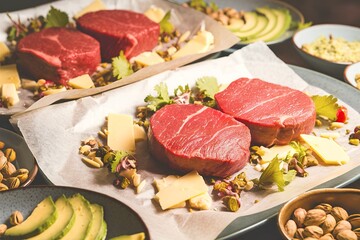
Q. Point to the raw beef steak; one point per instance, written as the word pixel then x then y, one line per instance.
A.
pixel 193 137
pixel 58 54
pixel 275 114
pixel 118 30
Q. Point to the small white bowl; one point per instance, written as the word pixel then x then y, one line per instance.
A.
pixel 350 72
pixel 310 34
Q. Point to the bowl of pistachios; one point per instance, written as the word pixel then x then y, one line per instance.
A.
pixel 327 213
pixel 18 167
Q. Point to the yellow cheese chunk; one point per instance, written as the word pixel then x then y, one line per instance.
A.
pixel 327 149
pixel 53 91
pixel 155 14
pixel 9 74
pixel 202 42
pixel 121 132
pixel 94 6
pixel 9 94
pixel 139 133
pixel 148 58
pixel 280 151
pixel 163 183
pixel 81 82
pixel 182 189
pixel 201 202
pixel 4 51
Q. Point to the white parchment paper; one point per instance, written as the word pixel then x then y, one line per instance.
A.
pixel 184 19
pixel 54 133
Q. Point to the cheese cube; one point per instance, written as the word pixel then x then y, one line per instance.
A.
pixel 4 51
pixel 94 6
pixel 9 94
pixel 81 82
pixel 200 43
pixel 148 58
pixel 280 151
pixel 121 132
pixel 155 14
pixel 182 189
pixel 9 74
pixel 163 183
pixel 327 149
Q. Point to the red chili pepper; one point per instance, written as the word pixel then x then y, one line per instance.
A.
pixel 342 114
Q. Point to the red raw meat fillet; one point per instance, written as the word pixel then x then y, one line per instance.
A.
pixel 118 30
pixel 58 54
pixel 194 137
pixel 275 114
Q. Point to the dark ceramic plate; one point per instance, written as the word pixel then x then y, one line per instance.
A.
pixel 120 219
pixel 24 157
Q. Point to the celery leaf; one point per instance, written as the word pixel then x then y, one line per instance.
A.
pixel 326 106
pixel 273 175
pixel 165 24
pixel 121 66
pixel 208 85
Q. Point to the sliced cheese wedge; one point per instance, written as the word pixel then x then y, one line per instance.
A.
pixel 280 151
pixel 9 94
pixel 81 82
pixel 94 6
pixel 167 181
pixel 4 51
pixel 182 189
pixel 327 149
pixel 148 58
pixel 121 132
pixel 200 43
pixel 9 74
pixel 139 133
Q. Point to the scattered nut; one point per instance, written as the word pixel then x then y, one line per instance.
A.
pixel 290 228
pixel 16 218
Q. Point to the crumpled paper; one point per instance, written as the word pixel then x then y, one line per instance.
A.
pixel 54 134
pixel 184 19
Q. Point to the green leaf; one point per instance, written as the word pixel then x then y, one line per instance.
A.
pixel 300 150
pixel 165 24
pixel 326 106
pixel 56 18
pixel 119 155
pixel 273 175
pixel 289 176
pixel 162 98
pixel 121 66
pixel 208 86
pixel 303 25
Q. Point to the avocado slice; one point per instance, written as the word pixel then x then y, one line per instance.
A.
pixel 283 24
pixel 98 227
pixel 272 21
pixel 261 24
pixel 235 25
pixel 63 223
pixel 41 218
pixel 83 218
pixel 250 21
pixel 136 236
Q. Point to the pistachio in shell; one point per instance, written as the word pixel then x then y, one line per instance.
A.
pixel 315 217
pixel 346 235
pixel 329 224
pixel 16 218
pixel 1 177
pixel 313 231
pixel 3 161
pixel 290 228
pixel 22 174
pixel 2 144
pixel 339 213
pixel 10 154
pixel 299 234
pixel 8 169
pixel 341 226
pixel 354 220
pixel 327 236
pixel 12 182
pixel 3 229
pixel 357 232
pixel 299 216
pixel 3 187
pixel 324 206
